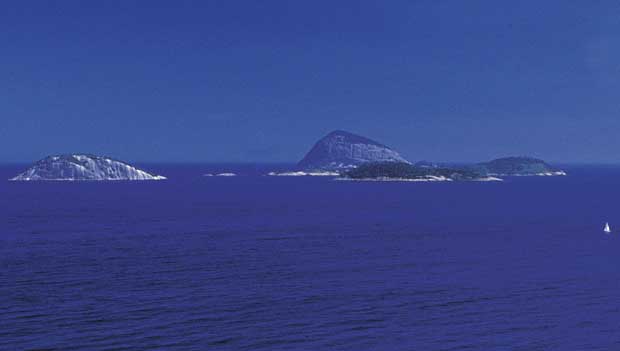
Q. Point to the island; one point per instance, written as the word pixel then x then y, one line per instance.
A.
pixel 224 174
pixel 85 167
pixel 399 171
pixel 517 166
pixel 341 150
pixel 304 174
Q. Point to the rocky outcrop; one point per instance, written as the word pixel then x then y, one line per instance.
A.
pixel 83 167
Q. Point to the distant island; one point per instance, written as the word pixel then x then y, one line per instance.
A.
pixel 393 171
pixel 83 167
pixel 224 174
pixel 352 156
pixel 427 171
pixel 517 166
pixel 305 174
pixel 340 150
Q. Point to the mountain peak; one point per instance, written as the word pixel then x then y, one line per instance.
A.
pixel 341 150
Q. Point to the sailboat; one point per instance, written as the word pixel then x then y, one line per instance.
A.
pixel 607 229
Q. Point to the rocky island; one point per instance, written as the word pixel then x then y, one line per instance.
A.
pixel 394 171
pixel 340 150
pixel 517 166
pixel 83 167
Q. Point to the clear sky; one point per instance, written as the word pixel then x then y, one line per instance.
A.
pixel 233 80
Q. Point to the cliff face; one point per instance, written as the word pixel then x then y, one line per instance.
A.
pixel 343 150
pixel 83 167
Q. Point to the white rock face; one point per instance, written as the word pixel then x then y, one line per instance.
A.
pixel 83 167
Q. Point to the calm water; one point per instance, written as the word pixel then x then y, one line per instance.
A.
pixel 270 263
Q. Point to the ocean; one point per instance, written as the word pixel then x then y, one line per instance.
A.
pixel 254 262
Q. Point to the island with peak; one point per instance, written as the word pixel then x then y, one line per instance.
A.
pixel 340 150
pixel 352 156
pixel 75 167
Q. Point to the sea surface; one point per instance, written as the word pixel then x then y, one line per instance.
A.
pixel 308 263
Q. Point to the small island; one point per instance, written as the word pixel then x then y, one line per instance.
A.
pixel 391 171
pixel 224 174
pixel 517 166
pixel 84 167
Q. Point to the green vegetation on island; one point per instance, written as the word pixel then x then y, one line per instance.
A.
pixel 399 170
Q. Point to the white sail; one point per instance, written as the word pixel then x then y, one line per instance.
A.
pixel 607 229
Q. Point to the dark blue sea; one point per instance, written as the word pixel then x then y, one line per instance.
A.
pixel 294 263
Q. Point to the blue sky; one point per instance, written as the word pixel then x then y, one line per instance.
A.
pixel 210 81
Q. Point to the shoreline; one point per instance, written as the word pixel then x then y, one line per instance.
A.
pixel 420 180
